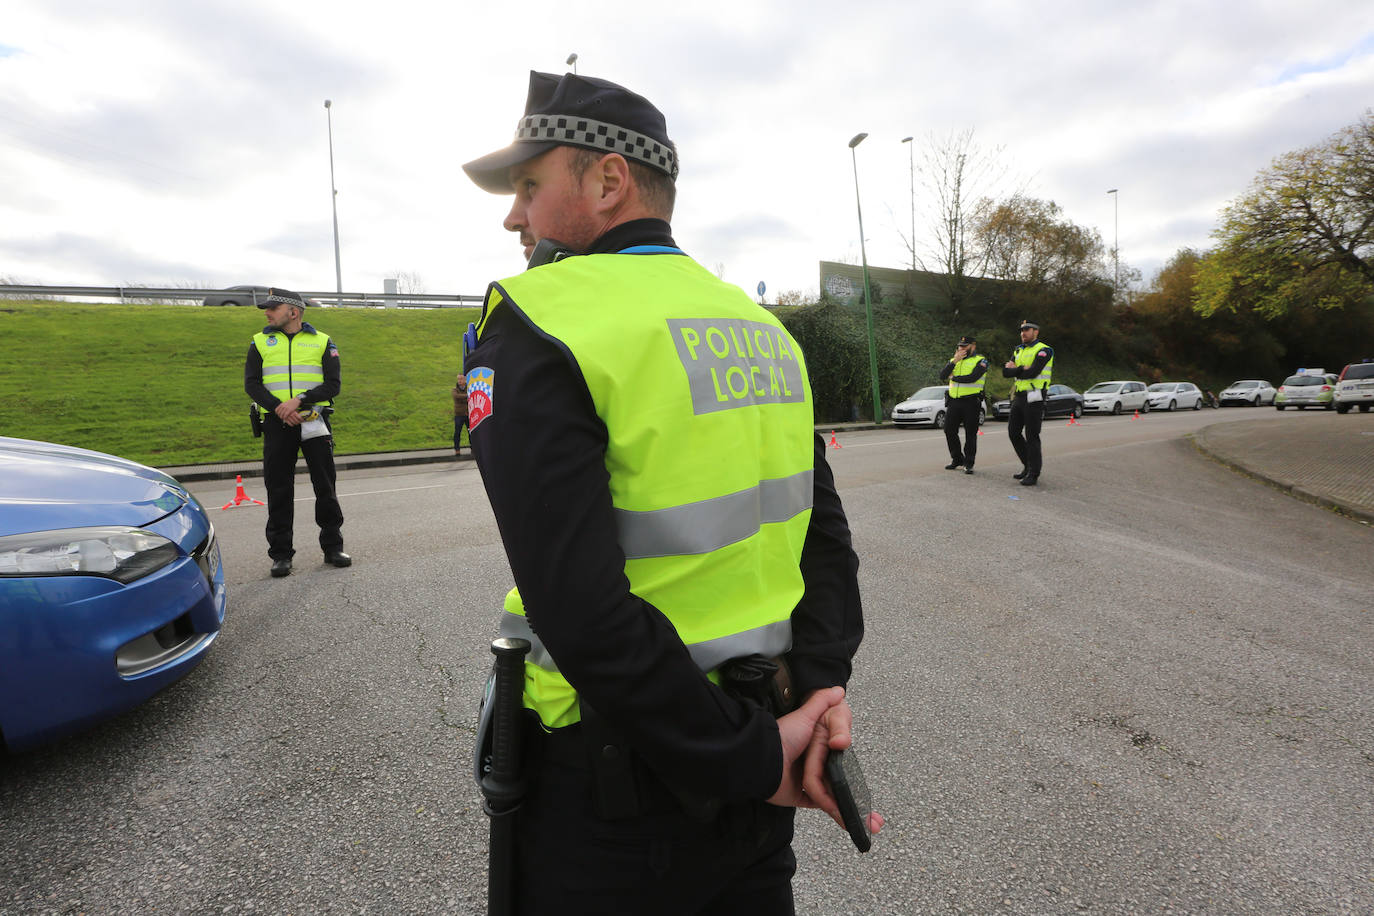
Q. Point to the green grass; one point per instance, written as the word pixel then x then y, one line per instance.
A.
pixel 163 384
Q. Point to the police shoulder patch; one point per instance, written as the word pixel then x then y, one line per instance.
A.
pixel 481 395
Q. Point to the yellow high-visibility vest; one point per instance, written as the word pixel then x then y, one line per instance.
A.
pixel 293 365
pixel 1025 355
pixel 678 363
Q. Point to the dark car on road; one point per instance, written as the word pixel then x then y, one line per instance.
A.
pixel 237 295
pixel 1060 401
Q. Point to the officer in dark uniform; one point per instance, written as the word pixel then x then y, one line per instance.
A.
pixel 292 372
pixel 603 397
pixel 1031 366
pixel 966 373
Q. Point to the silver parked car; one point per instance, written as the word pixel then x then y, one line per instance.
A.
pixel 1115 397
pixel 927 406
pixel 1174 396
pixel 1251 391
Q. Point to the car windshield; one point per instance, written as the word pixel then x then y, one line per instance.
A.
pixel 1246 385
pixel 1104 388
pixel 1363 370
pixel 1302 381
pixel 1162 386
pixel 932 393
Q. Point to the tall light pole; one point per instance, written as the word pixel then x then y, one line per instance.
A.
pixel 868 301
pixel 1116 241
pixel 912 151
pixel 334 202
pixel 572 61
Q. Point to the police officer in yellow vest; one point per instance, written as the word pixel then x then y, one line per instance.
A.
pixel 292 372
pixel 966 373
pixel 1031 365
pixel 645 435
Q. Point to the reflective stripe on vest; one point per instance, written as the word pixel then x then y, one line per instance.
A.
pixel 1025 355
pixel 714 544
pixel 964 367
pixel 293 365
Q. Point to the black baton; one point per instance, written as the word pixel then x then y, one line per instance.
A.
pixel 501 783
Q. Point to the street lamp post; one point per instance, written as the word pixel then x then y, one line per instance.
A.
pixel 911 150
pixel 572 62
pixel 334 202
pixel 868 301
pixel 1116 241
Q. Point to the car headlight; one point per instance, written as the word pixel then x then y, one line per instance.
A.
pixel 119 553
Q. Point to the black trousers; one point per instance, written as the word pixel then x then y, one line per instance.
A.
pixel 569 861
pixel 962 412
pixel 280 446
pixel 1023 427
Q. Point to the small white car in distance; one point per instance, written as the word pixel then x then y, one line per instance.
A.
pixel 1355 388
pixel 1251 392
pixel 1175 396
pixel 927 407
pixel 1116 397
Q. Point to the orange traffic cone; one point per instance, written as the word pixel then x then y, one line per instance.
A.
pixel 833 443
pixel 980 432
pixel 1073 421
pixel 241 497
pixel 1135 415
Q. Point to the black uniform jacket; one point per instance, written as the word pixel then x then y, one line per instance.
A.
pixel 252 376
pixel 541 452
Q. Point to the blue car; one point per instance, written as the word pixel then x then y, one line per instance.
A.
pixel 110 587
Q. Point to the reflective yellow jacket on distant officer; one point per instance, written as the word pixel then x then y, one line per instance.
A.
pixel 680 364
pixel 1024 356
pixel 292 365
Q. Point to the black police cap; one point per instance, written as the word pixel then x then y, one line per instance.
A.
pixel 278 296
pixel 582 111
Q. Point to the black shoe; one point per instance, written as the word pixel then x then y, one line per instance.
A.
pixel 968 469
pixel 338 558
pixel 281 568
pixel 1020 476
pixel 1029 480
pixel 954 466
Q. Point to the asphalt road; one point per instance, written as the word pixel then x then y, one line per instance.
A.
pixel 1144 686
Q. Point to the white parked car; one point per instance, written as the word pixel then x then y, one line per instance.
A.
pixel 1174 396
pixel 927 406
pixel 1356 388
pixel 1250 391
pixel 1116 397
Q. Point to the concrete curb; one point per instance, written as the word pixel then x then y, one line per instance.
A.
pixel 1297 490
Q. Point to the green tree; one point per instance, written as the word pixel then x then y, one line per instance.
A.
pixel 1302 237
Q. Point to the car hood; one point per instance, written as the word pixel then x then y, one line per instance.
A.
pixel 44 486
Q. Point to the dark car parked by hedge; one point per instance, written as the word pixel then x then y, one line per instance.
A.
pixel 1061 401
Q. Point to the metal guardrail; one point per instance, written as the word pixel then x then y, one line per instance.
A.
pixel 125 294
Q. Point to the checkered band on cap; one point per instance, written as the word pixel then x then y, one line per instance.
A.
pixel 598 135
pixel 281 295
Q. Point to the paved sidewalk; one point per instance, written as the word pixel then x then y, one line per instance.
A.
pixel 1326 459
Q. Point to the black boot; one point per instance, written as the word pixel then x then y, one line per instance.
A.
pixel 954 465
pixel 1020 476
pixel 281 568
pixel 1029 480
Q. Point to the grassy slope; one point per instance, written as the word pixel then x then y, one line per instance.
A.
pixel 163 384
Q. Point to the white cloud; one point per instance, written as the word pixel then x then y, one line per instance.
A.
pixel 171 141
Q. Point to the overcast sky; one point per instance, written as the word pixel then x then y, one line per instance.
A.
pixel 185 141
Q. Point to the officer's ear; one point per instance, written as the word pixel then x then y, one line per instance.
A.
pixel 614 180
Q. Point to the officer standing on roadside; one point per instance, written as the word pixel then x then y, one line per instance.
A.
pixel 967 374
pixel 1031 365
pixel 292 372
pixel 645 436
